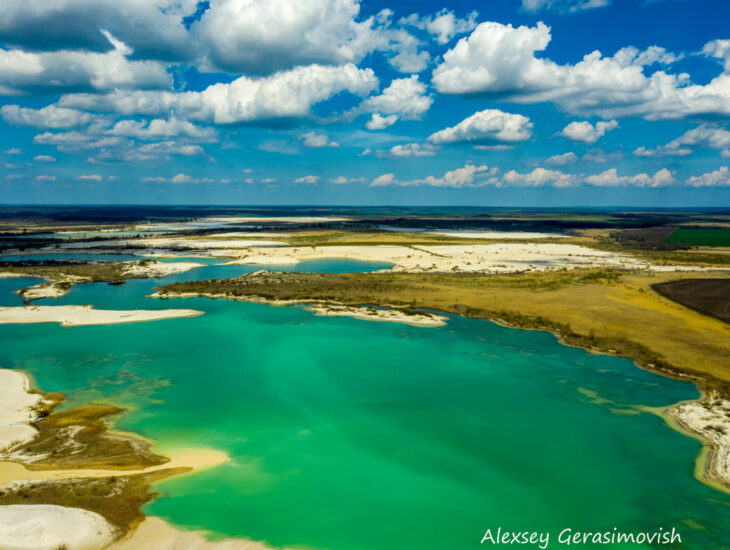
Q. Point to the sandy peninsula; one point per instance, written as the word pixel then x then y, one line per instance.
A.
pixel 40 526
pixel 420 319
pixel 327 309
pixel 708 419
pixel 59 283
pixel 71 316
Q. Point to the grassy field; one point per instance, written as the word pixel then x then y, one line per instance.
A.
pixel 701 237
pixel 605 311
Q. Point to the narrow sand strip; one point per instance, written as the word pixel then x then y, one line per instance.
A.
pixel 481 258
pixel 17 405
pixel 378 314
pixel 71 316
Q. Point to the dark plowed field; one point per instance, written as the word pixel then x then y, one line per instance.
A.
pixel 708 296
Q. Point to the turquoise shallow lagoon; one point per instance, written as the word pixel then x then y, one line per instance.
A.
pixel 357 435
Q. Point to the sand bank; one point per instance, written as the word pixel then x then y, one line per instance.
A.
pixel 70 316
pixel 490 258
pixel 169 242
pixel 517 235
pixel 157 534
pixel 13 472
pixel 285 219
pixel 379 314
pixel 237 234
pixel 17 408
pixel 48 527
pixel 158 269
pixel 54 289
pixel 708 420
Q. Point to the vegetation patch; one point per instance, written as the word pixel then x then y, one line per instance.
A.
pixel 701 237
pixel 118 499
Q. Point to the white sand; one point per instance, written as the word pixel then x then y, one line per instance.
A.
pixel 48 527
pixel 171 242
pixel 16 408
pixel 708 420
pixel 156 534
pixel 489 258
pixel 286 219
pixel 70 316
pixel 160 269
pixel 236 234
pixel 497 234
pixel 379 314
pixel 43 290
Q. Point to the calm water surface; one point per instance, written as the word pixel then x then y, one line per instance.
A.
pixel 347 434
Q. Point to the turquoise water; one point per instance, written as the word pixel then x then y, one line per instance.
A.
pixel 346 434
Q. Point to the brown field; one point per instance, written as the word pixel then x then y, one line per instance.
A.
pixel 711 297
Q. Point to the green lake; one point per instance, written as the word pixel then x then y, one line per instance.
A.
pixel 357 435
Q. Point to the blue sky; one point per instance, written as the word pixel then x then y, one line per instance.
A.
pixel 495 103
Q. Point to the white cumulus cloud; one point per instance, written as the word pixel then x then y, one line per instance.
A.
pixel 717 178
pixel 490 125
pixel 586 132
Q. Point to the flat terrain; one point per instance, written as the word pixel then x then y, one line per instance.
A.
pixel 701 237
pixel 708 296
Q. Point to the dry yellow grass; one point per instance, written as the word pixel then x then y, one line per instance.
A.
pixel 606 311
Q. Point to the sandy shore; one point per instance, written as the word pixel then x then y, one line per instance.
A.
pixel 13 471
pixel 60 285
pixel 708 420
pixel 17 408
pixel 482 258
pixel 328 309
pixel 70 316
pixel 170 242
pixel 157 534
pixel 44 290
pixel 156 270
pixel 48 527
pixel 379 314
pixel 518 235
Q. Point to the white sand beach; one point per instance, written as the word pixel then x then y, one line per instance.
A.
pixel 71 316
pixel 159 269
pixel 708 420
pixel 378 314
pixel 521 235
pixel 483 258
pixel 17 406
pixel 156 534
pixel 49 527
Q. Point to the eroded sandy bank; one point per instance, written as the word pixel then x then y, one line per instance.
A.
pixel 707 419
